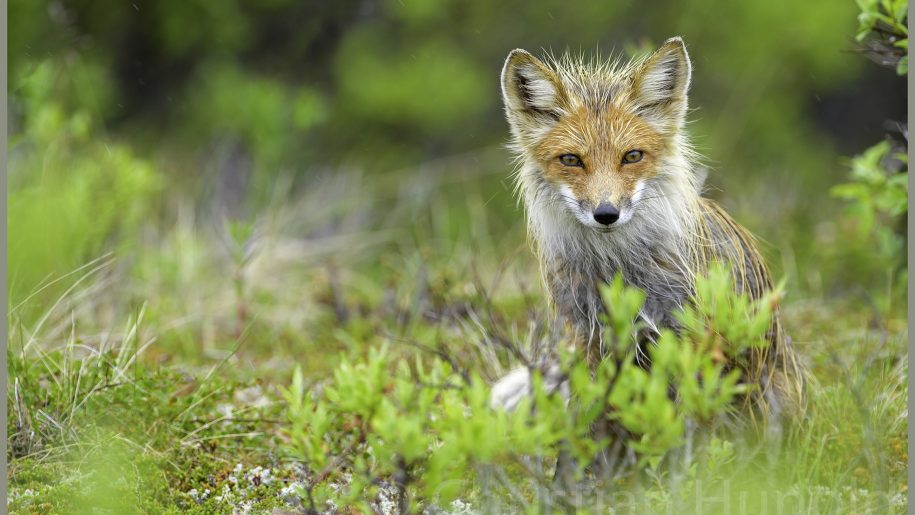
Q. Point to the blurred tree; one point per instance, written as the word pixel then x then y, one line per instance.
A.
pixel 412 80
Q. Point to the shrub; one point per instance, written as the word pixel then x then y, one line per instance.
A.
pixel 414 432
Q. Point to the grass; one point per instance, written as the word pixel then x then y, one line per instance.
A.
pixel 152 383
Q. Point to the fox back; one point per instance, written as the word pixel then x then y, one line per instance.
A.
pixel 609 185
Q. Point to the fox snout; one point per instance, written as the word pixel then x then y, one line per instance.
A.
pixel 606 214
pixel 597 214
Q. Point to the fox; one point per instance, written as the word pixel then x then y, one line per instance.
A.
pixel 610 184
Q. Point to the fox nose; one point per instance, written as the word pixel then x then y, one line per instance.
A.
pixel 606 214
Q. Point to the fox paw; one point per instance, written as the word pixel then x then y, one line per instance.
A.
pixel 515 386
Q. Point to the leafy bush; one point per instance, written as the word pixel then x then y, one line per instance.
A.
pixel 882 26
pixel 880 195
pixel 413 431
pixel 879 176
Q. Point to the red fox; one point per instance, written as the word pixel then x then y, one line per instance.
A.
pixel 609 184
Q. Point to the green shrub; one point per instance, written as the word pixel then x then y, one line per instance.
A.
pixel 879 185
pixel 882 23
pixel 880 197
pixel 415 432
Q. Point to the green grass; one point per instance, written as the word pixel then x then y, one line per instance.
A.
pixel 154 383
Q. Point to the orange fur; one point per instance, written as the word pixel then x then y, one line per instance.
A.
pixel 601 139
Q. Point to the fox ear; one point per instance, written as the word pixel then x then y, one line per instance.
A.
pixel 660 84
pixel 532 92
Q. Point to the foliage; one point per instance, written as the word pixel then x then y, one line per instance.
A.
pixel 422 429
pixel 79 442
pixel 885 21
pixel 215 438
pixel 880 196
pixel 878 189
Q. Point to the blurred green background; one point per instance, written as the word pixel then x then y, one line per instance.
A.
pixel 122 112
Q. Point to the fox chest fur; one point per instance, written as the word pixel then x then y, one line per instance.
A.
pixel 576 260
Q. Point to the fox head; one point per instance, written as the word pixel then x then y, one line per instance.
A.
pixel 598 139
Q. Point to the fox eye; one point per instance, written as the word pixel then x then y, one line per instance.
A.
pixel 633 156
pixel 571 160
